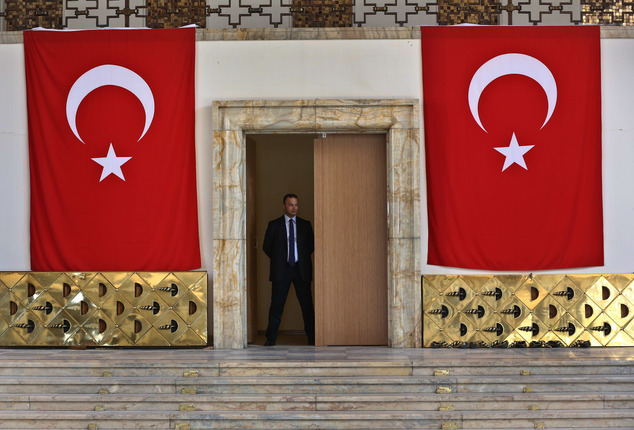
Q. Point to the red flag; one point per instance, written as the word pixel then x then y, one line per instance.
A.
pixel 513 146
pixel 111 144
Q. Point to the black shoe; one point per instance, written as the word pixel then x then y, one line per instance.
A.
pixel 269 342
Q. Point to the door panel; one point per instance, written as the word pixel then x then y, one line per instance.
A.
pixel 351 240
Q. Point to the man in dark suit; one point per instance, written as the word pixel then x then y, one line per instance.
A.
pixel 289 242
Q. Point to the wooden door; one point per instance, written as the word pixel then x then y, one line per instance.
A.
pixel 351 240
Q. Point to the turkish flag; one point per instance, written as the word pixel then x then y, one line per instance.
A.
pixel 111 145
pixel 513 146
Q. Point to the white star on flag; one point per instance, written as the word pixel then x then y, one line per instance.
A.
pixel 111 164
pixel 514 153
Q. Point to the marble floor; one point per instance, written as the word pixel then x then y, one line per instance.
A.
pixel 307 387
pixel 282 340
pixel 304 353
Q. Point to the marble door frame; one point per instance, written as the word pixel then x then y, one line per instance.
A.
pixel 398 119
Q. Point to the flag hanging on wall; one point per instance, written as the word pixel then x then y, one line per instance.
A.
pixel 513 146
pixel 111 146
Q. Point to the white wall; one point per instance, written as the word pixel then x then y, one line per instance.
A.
pixel 294 70
pixel 14 161
pixel 319 69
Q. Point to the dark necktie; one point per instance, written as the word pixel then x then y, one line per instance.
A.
pixel 291 243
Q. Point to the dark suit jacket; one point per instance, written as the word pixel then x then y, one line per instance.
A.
pixel 275 246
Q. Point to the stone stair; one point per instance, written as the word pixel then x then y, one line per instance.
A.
pixel 317 388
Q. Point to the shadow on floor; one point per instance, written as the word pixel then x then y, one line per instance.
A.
pixel 283 339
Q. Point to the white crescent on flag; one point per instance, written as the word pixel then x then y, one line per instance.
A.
pixel 512 64
pixel 109 74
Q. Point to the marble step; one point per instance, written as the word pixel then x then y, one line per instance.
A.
pixel 423 369
pixel 330 388
pixel 135 369
pixel 97 369
pixel 593 419
pixel 408 420
pixel 310 361
pixel 317 385
pixel 533 368
pixel 342 402
pixel 484 366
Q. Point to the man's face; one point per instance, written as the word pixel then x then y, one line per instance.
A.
pixel 291 205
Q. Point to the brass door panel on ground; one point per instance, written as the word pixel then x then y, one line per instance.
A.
pixel 103 309
pixel 549 310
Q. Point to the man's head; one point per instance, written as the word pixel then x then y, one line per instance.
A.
pixel 291 205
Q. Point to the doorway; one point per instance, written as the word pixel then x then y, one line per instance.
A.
pixel 278 164
pixel 233 120
pixel 342 188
